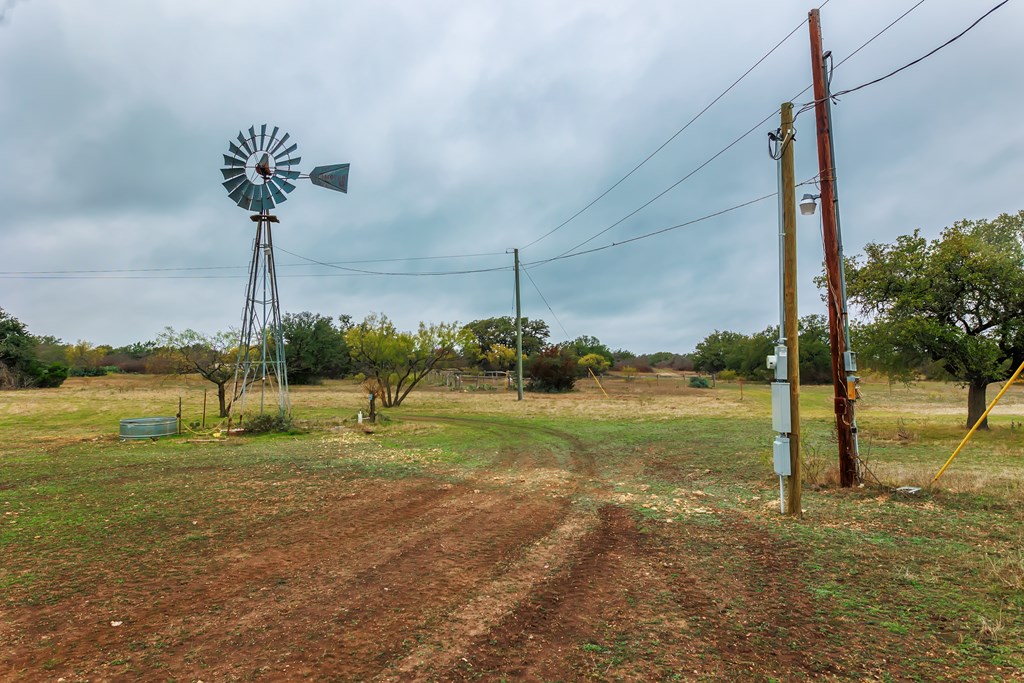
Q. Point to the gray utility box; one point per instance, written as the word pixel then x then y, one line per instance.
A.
pixel 780 450
pixel 781 418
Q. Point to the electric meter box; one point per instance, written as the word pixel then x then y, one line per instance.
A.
pixel 850 360
pixel 780 449
pixel 781 418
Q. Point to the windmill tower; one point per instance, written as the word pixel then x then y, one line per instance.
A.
pixel 257 175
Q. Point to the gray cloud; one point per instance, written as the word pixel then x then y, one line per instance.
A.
pixel 475 128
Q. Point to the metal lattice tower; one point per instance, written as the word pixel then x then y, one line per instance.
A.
pixel 256 176
pixel 261 362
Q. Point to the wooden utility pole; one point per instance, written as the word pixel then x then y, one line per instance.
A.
pixel 519 335
pixel 792 327
pixel 843 404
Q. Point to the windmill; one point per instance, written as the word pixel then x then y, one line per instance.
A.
pixel 257 174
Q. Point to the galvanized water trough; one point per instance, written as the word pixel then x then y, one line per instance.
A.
pixel 148 427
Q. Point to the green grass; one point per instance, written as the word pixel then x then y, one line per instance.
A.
pixel 944 564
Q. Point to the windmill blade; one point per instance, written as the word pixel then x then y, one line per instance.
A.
pixel 273 135
pixel 229 173
pixel 237 151
pixel 255 197
pixel 233 183
pixel 232 161
pixel 286 152
pixel 252 137
pixel 284 173
pixel 263 135
pixel 238 194
pixel 334 177
pixel 268 199
pixel 284 139
pixel 275 191
pixel 281 183
pixel 245 145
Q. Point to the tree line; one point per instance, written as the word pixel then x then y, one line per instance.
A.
pixel 949 308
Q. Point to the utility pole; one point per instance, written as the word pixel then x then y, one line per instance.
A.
pixel 519 335
pixel 792 323
pixel 786 361
pixel 842 361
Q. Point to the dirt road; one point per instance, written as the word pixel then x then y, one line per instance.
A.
pixel 526 570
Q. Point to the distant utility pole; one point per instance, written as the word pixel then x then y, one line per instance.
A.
pixel 519 335
pixel 843 361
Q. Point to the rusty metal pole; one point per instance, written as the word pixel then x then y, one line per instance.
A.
pixel 848 474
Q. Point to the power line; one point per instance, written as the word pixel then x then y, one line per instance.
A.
pixel 551 310
pixel 395 273
pixel 923 57
pixel 764 120
pixel 279 265
pixel 671 187
pixel 534 264
pixel 561 257
pixel 872 38
pixel 810 105
pixel 674 135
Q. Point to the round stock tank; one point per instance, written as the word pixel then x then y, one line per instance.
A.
pixel 148 427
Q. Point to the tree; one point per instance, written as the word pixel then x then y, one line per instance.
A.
pixel 594 362
pixel 132 357
pixel 553 369
pixel 84 359
pixel 815 351
pixel 491 331
pixel 957 300
pixel 745 354
pixel 714 351
pixel 19 364
pixel 213 356
pixel 314 348
pixel 500 357
pixel 586 345
pixel 399 360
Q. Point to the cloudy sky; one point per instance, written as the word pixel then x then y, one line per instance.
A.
pixel 473 128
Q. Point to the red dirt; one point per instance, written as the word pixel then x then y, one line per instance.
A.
pixel 424 580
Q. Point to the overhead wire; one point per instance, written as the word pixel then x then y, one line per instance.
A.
pixel 923 57
pixel 551 310
pixel 872 38
pixel 756 127
pixel 279 265
pixel 810 105
pixel 673 136
pixel 395 273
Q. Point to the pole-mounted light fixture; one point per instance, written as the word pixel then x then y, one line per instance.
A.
pixel 809 204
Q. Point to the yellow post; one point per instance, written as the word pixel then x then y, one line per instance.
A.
pixel 598 383
pixel 980 420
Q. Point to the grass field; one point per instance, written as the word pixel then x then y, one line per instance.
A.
pixel 472 537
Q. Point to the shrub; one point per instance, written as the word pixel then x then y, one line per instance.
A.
pixel 552 370
pixel 267 422
pixel 728 375
pixel 87 372
pixel 699 382
pixel 51 376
